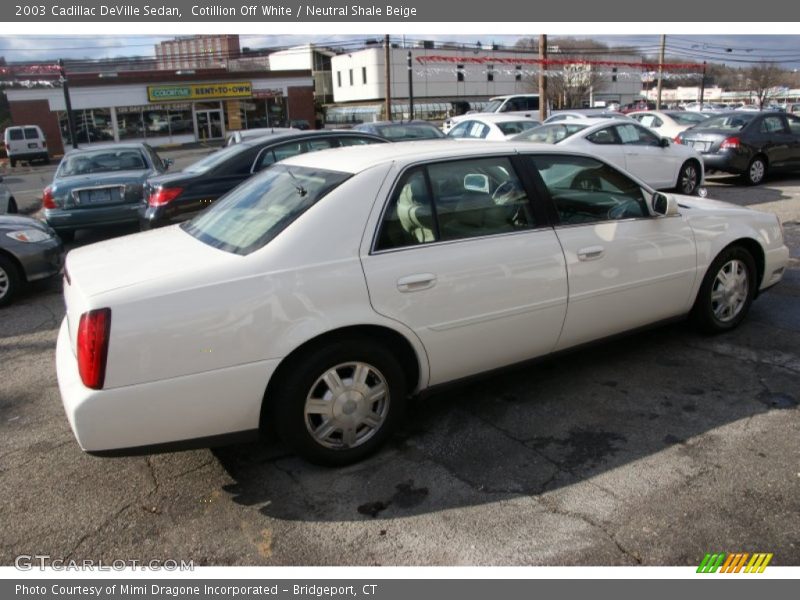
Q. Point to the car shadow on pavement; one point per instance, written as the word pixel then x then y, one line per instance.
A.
pixel 772 190
pixel 534 429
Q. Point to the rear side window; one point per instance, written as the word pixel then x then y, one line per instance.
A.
pixel 15 134
pixel 31 133
pixel 604 136
pixel 355 141
pixel 455 200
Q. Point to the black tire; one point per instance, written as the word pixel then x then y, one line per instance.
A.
pixel 708 313
pixel 12 206
pixel 688 178
pixel 9 280
pixel 303 380
pixel 66 235
pixel 756 171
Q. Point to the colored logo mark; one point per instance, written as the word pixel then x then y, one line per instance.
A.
pixel 735 562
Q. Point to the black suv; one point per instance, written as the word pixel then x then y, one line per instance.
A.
pixel 178 196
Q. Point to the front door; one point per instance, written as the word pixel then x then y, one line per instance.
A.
pixel 209 124
pixel 626 267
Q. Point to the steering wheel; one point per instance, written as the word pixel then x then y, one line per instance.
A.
pixel 506 193
pixel 620 211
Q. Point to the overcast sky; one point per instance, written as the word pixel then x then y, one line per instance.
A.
pixel 741 50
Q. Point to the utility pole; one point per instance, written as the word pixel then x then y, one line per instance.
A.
pixel 542 77
pixel 387 74
pixel 410 90
pixel 660 70
pixel 67 103
pixel 703 86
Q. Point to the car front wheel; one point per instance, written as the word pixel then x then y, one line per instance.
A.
pixel 339 403
pixel 727 291
pixel 9 280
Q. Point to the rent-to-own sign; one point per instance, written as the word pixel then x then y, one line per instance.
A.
pixel 199 91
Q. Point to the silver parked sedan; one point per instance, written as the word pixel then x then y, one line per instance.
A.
pixel 29 251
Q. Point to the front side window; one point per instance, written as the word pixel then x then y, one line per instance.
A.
pixel 551 133
pixel 254 213
pixel 586 190
pixel 455 200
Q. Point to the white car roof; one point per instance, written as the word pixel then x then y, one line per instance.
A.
pixel 354 159
pixel 499 118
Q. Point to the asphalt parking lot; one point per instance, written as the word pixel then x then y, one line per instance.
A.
pixel 651 449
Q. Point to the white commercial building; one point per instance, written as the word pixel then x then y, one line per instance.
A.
pixel 444 73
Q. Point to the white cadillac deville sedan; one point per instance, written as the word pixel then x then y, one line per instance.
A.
pixel 320 294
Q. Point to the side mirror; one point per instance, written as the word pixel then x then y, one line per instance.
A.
pixel 476 182
pixel 664 205
pixel 664 142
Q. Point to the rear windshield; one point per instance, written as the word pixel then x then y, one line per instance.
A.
pixel 15 134
pixel 215 158
pixel 409 132
pixel 512 127
pixel 254 213
pixel 687 117
pixel 728 122
pixel 552 133
pixel 31 133
pixel 102 161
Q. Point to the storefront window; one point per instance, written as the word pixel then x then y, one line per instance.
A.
pixel 130 122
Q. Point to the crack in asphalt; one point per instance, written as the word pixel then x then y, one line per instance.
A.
pixel 748 356
pixel 97 530
pixel 550 507
pixel 560 469
pixel 193 469
pixel 152 470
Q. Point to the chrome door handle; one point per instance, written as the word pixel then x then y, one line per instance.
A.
pixel 416 282
pixel 591 253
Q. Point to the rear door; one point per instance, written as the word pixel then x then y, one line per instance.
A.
pixel 463 257
pixel 793 123
pixel 773 139
pixel 15 141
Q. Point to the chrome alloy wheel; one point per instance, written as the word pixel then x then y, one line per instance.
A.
pixel 688 179
pixel 757 170
pixel 729 290
pixel 5 283
pixel 347 405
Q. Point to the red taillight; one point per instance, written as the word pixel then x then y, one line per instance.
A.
pixel 677 139
pixel 731 142
pixel 162 196
pixel 47 198
pixel 93 333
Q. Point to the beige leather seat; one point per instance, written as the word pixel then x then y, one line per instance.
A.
pixel 414 211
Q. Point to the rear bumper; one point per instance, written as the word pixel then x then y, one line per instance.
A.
pixel 197 410
pixel 84 218
pixel 726 161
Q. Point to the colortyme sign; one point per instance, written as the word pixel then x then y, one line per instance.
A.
pixel 199 91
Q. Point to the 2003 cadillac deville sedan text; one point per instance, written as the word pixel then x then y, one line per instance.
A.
pixel 321 293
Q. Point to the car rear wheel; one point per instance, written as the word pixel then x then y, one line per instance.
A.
pixel 688 178
pixel 756 171
pixel 727 291
pixel 339 403
pixel 9 280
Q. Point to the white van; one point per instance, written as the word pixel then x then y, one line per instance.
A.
pixel 25 143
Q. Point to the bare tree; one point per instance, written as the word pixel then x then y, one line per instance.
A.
pixel 764 79
pixel 571 82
